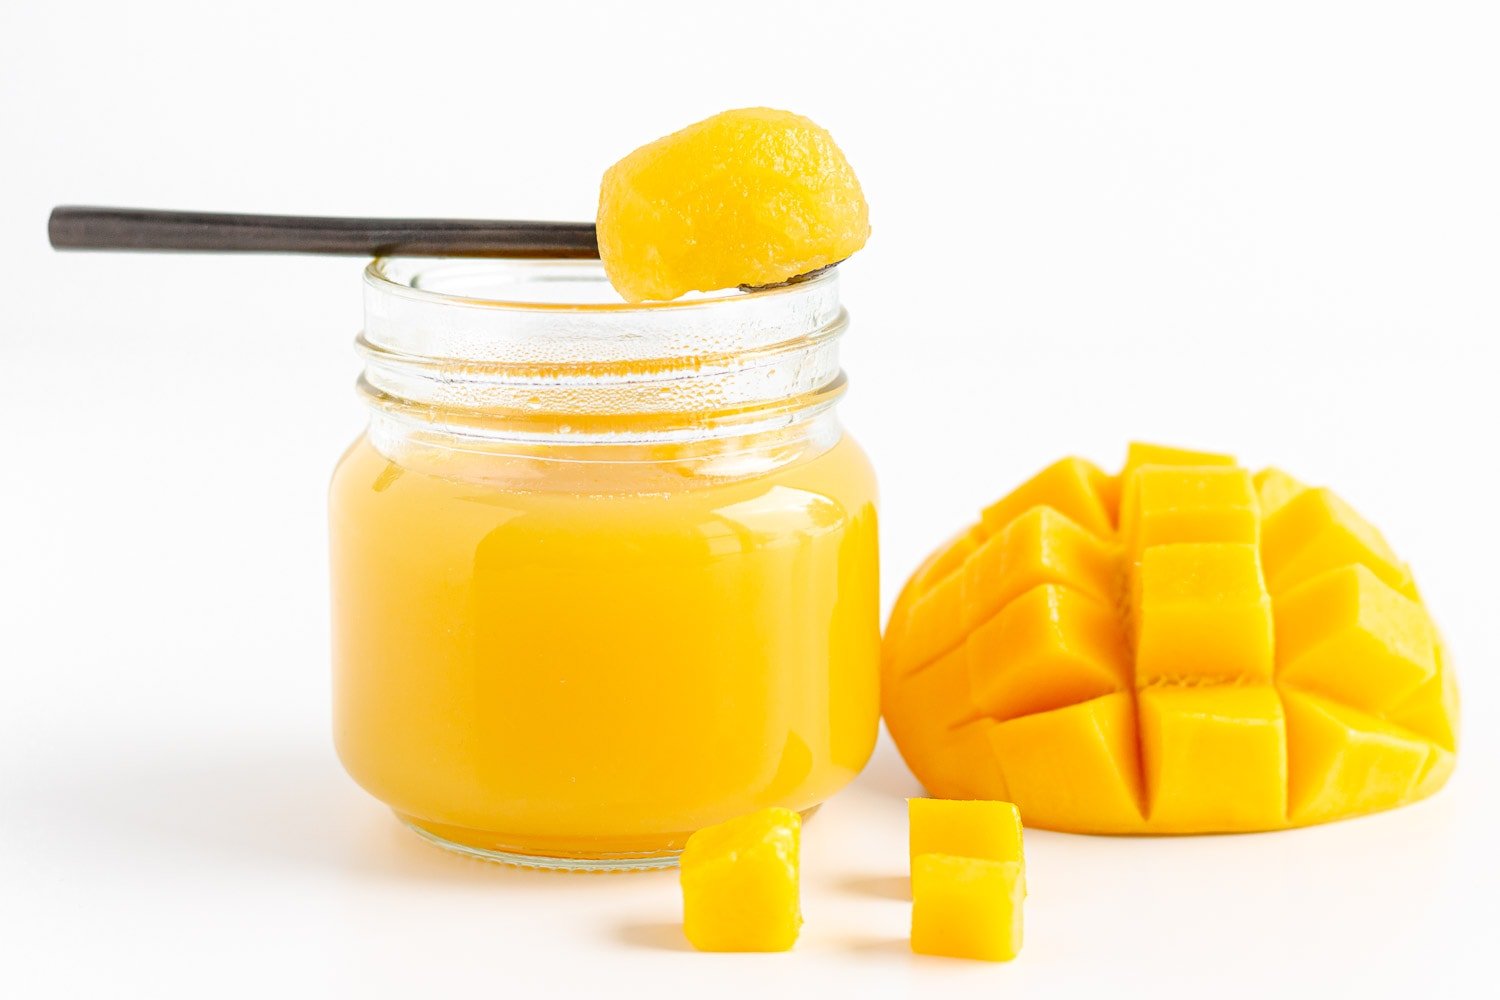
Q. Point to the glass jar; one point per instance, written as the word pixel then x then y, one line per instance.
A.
pixel 603 574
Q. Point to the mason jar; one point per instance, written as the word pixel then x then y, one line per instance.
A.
pixel 603 573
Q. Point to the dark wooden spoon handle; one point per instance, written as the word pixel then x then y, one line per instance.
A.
pixel 85 227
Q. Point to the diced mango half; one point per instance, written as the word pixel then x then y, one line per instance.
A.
pixel 753 196
pixel 740 883
pixel 970 828
pixel 965 907
pixel 1253 657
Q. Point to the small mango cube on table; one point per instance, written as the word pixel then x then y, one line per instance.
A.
pixel 1181 648
pixel 970 828
pixel 740 883
pixel 966 907
pixel 968 878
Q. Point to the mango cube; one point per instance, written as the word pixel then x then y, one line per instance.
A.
pixel 966 907
pixel 970 828
pixel 1050 647
pixel 1347 635
pixel 1344 762
pixel 1203 614
pixel 753 196
pixel 1139 456
pixel 1188 503
pixel 1195 737
pixel 1074 768
pixel 1170 675
pixel 1275 488
pixel 740 889
pixel 1071 487
pixel 1315 532
pixel 1432 710
pixel 935 625
pixel 954 757
pixel 1041 546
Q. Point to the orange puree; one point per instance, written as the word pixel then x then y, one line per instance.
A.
pixel 593 659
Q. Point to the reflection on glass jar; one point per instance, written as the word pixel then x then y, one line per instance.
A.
pixel 602 574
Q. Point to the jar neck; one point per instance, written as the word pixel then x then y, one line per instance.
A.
pixel 542 354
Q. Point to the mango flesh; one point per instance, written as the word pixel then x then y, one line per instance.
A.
pixel 1182 648
pixel 970 828
pixel 966 907
pixel 753 196
pixel 741 883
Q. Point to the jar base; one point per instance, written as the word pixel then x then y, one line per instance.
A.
pixel 580 862
pixel 488 848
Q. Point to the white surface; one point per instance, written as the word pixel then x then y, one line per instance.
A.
pixel 1271 230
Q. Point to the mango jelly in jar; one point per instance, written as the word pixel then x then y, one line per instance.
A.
pixel 603 574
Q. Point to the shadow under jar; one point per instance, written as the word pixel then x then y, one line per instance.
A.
pixel 603 574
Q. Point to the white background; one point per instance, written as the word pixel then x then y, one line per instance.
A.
pixel 1266 228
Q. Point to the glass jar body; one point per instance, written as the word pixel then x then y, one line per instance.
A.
pixel 593 675
pixel 575 655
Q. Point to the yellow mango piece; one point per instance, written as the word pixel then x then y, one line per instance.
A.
pixel 1070 487
pixel 740 883
pixel 970 828
pixel 1192 503
pixel 1349 636
pixel 1074 768
pixel 1436 773
pixel 1275 488
pixel 1203 614
pixel 1342 762
pixel 966 907
pixel 1050 647
pixel 932 718
pixel 935 624
pixel 753 196
pixel 1109 487
pixel 1110 685
pixel 1315 532
pixel 952 556
pixel 1432 710
pixel 1040 546
pixel 1214 758
pixel 958 762
pixel 1139 455
pixel 939 691
pixel 943 562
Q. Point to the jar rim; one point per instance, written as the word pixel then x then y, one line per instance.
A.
pixel 399 275
pixel 521 344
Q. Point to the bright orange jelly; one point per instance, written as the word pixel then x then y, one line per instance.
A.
pixel 593 659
